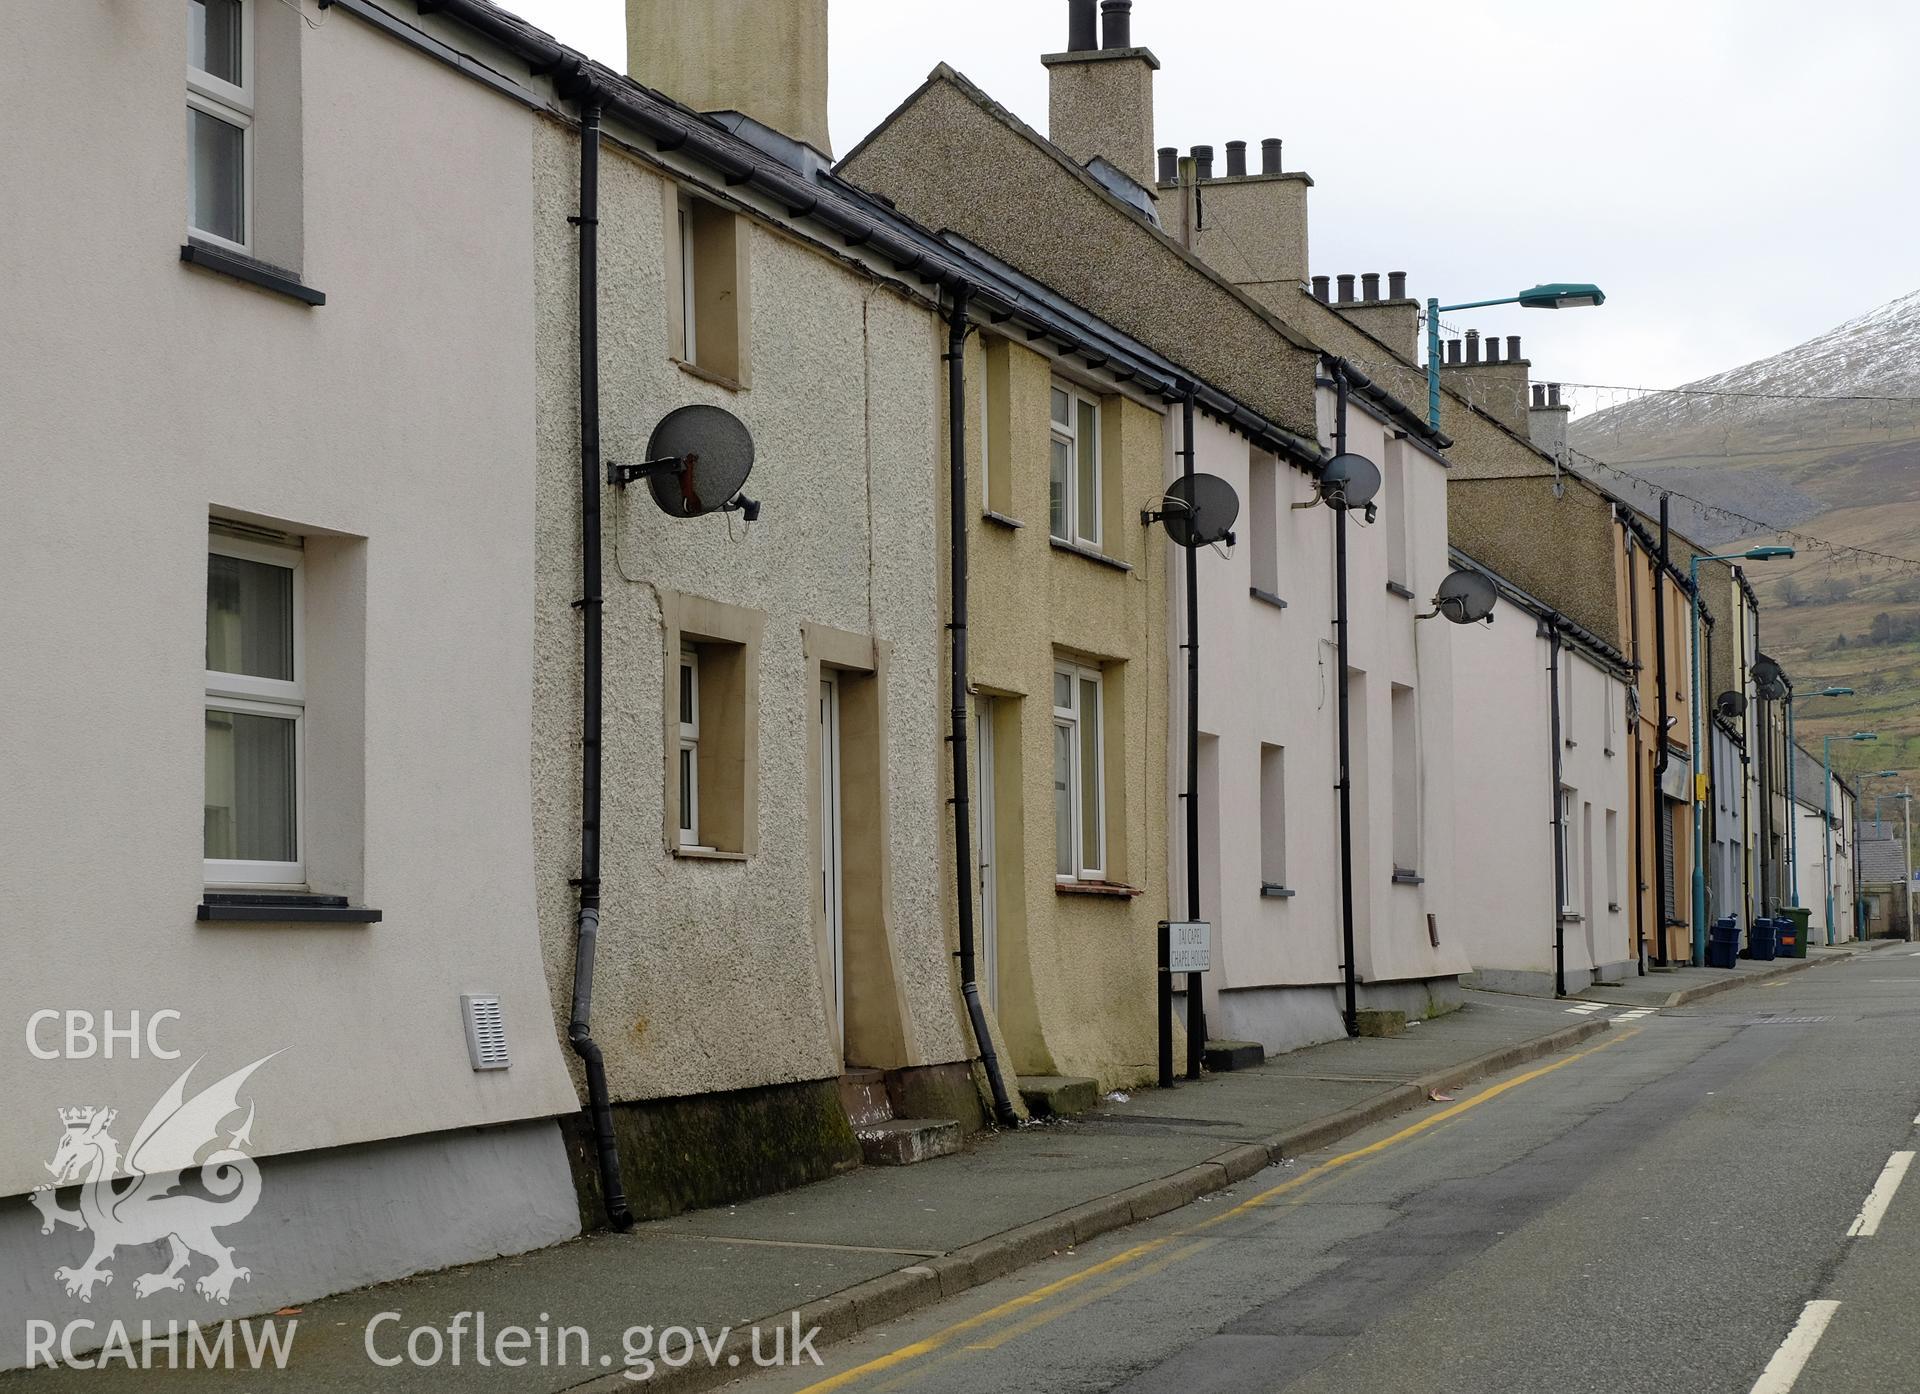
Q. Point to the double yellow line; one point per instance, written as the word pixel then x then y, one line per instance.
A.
pixel 1027 1301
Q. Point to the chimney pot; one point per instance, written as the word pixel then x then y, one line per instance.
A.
pixel 1082 32
pixel 1493 348
pixel 1270 156
pixel 1346 290
pixel 1539 394
pixel 1553 394
pixel 1169 163
pixel 1202 161
pixel 1473 346
pixel 1320 288
pixel 1236 157
pixel 1396 285
pixel 1453 350
pixel 1370 285
pixel 1513 347
pixel 1116 21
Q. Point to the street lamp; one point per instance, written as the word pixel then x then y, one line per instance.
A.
pixel 1554 295
pixel 1905 796
pixel 1826 816
pixel 1793 809
pixel 1703 759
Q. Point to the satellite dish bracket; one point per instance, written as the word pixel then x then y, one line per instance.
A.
pixel 622 475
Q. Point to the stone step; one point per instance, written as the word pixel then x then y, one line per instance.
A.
pixel 1057 1096
pixel 863 1094
pixel 900 1142
pixel 1380 1022
pixel 1235 1055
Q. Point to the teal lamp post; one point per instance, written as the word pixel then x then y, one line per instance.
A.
pixel 1702 758
pixel 1826 821
pixel 1877 774
pixel 1555 295
pixel 1793 809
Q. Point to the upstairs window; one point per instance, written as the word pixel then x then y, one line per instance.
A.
pixel 1073 497
pixel 220 111
pixel 1079 777
pixel 255 709
pixel 709 276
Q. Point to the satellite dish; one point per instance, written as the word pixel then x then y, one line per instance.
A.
pixel 1465 597
pixel 1770 678
pixel 698 460
pixel 1200 511
pixel 1730 703
pixel 1349 481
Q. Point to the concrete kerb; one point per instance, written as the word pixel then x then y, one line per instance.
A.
pixel 890 1296
pixel 1779 970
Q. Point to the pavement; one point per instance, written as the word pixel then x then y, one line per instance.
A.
pixel 863 1251
pixel 1697 1199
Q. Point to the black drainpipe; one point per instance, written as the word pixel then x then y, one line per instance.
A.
pixel 1346 745
pixel 957 737
pixel 1196 1000
pixel 1559 832
pixel 579 1029
pixel 1639 765
pixel 1659 565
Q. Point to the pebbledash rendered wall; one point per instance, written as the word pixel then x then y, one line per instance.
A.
pixel 1269 676
pixel 393 428
pixel 710 1002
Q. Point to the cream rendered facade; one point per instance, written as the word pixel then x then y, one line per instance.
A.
pixel 383 440
pixel 1516 915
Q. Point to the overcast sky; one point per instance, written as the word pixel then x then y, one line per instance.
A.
pixel 1737 175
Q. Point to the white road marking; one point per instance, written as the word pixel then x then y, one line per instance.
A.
pixel 1794 1352
pixel 1636 1014
pixel 1916 1122
pixel 1585 1007
pixel 1867 1222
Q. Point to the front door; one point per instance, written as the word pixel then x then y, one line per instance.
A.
pixel 831 849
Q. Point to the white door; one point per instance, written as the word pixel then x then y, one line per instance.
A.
pixel 830 848
pixel 983 803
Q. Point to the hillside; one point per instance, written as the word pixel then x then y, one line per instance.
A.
pixel 1842 471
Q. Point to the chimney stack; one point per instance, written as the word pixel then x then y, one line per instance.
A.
pixel 1270 156
pixel 765 58
pixel 1236 158
pixel 1513 347
pixel 1346 290
pixel 1396 285
pixel 1202 162
pixel 1100 98
pixel 1321 291
pixel 1082 35
pixel 1547 421
pixel 1169 164
pixel 1370 285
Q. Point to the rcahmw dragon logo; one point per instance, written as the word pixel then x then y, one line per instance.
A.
pixel 144 1207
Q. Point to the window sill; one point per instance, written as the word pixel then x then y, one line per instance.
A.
pixel 1572 917
pixel 1113 890
pixel 708 854
pixel 1395 588
pixel 1404 877
pixel 708 375
pixel 1090 554
pixel 1002 519
pixel 268 908
pixel 1266 597
pixel 242 267
pixel 1269 891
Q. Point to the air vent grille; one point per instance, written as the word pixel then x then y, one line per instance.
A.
pixel 486 1032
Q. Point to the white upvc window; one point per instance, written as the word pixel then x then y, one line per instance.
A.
pixel 1079 775
pixel 689 316
pixel 1073 498
pixel 689 689
pixel 220 109
pixel 256 712
pixel 1563 839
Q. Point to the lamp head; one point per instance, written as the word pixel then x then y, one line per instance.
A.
pixel 1835 692
pixel 1766 553
pixel 1561 295
pixel 1865 736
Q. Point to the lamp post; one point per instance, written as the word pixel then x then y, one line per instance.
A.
pixel 1554 295
pixel 1866 779
pixel 1702 759
pixel 1793 808
pixel 1826 816
pixel 1905 796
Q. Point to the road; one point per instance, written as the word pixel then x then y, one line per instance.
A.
pixel 1667 1208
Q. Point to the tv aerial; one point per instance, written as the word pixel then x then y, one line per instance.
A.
pixel 698 460
pixel 1198 511
pixel 1464 597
